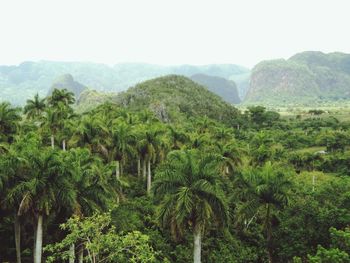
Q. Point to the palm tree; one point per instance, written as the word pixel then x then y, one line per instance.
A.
pixel 52 123
pixel 10 166
pixel 264 191
pixel 92 184
pixel 61 96
pixel 35 107
pixel 9 118
pixel 150 148
pixel 223 134
pixel 47 187
pixel 122 142
pixel 189 186
pixel 15 169
pixel 231 156
pixel 89 133
pixel 177 138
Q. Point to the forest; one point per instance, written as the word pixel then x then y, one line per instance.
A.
pixel 116 184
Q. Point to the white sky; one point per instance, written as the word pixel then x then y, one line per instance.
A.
pixel 170 31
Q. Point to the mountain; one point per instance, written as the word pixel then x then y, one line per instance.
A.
pixel 226 89
pixel 169 97
pixel 30 78
pixel 308 77
pixel 67 82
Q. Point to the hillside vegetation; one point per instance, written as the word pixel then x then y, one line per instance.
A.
pixel 173 95
pixel 308 77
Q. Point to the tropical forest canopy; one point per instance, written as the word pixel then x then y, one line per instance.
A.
pixel 169 172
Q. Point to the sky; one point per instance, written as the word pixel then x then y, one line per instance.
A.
pixel 170 31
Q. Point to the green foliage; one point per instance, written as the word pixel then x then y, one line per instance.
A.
pixel 96 236
pixel 251 187
pixel 172 96
pixel 306 79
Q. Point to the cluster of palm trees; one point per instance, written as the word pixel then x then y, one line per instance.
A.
pixel 54 161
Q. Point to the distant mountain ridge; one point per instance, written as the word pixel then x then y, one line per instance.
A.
pixel 307 77
pixel 226 89
pixel 67 82
pixel 30 78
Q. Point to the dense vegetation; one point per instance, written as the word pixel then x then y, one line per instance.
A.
pixel 119 183
pixel 307 77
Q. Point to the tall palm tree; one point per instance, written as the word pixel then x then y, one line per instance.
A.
pixel 9 118
pixel 92 184
pixel 61 96
pixel 52 123
pixel 150 148
pixel 10 175
pixel 263 192
pixel 89 133
pixel 47 187
pixel 16 168
pixel 35 107
pixel 177 138
pixel 122 145
pixel 231 156
pixel 189 187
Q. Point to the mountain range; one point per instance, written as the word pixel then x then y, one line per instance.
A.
pixel 306 78
pixel 30 78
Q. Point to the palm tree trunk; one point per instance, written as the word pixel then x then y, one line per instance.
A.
pixel 35 234
pixel 149 177
pixel 72 253
pixel 64 145
pixel 144 168
pixel 39 240
pixel 81 255
pixel 18 238
pixel 269 234
pixel 52 142
pixel 117 171
pixel 197 244
pixel 138 167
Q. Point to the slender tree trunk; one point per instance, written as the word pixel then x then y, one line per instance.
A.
pixel 52 142
pixel 35 235
pixel 64 145
pixel 149 177
pixel 39 240
pixel 121 169
pixel 138 168
pixel 197 244
pixel 269 234
pixel 81 255
pixel 117 172
pixel 18 238
pixel 72 253
pixel 227 171
pixel 144 168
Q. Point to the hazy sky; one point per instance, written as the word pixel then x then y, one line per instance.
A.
pixel 170 31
